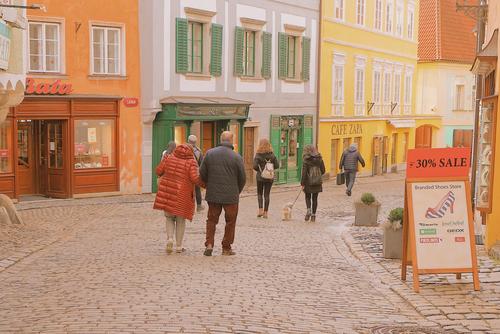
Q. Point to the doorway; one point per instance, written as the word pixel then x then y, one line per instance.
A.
pixel 394 152
pixel 208 136
pixel 248 153
pixel 423 137
pixel 41 166
pixel 289 154
pixel 334 157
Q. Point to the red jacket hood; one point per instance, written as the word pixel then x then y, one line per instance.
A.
pixel 183 152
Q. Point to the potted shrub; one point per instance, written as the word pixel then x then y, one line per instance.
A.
pixel 393 234
pixel 366 210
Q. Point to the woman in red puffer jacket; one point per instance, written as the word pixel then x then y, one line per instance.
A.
pixel 179 174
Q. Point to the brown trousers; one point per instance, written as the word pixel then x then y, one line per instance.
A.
pixel 230 214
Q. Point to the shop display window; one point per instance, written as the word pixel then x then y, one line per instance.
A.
pixel 5 146
pixel 486 151
pixel 94 144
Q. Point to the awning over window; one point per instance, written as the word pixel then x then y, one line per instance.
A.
pixel 486 59
pixel 402 123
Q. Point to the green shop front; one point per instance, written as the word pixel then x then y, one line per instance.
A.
pixel 206 118
pixel 289 135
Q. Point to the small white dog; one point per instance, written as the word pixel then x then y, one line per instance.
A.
pixel 287 212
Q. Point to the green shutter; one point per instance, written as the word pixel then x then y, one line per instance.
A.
pixel 308 129
pixel 216 52
pixel 306 58
pixel 282 55
pixel 181 47
pixel 239 35
pixel 267 40
pixel 275 138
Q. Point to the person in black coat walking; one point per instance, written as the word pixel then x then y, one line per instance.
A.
pixel 223 172
pixel 262 162
pixel 313 169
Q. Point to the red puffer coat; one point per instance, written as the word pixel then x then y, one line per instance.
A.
pixel 179 173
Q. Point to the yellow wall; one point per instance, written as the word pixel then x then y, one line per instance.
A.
pixel 389 51
pixel 77 17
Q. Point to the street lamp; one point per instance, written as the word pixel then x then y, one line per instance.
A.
pixel 33 6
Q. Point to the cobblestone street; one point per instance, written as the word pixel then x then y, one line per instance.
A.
pixel 99 266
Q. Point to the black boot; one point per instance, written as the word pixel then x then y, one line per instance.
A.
pixel 308 215
pixel 313 218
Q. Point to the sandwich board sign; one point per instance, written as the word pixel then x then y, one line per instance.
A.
pixel 438 233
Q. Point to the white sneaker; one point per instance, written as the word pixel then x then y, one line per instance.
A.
pixel 180 249
pixel 170 246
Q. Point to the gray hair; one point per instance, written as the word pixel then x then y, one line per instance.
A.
pixel 227 137
pixel 192 139
pixel 171 147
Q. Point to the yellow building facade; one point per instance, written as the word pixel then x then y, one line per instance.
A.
pixel 368 84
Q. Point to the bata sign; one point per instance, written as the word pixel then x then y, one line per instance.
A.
pixel 45 88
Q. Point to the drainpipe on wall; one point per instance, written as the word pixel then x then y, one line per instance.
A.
pixel 480 27
pixel 318 71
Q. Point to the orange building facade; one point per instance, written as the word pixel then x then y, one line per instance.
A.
pixel 78 130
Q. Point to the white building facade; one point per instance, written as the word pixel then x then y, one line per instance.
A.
pixel 245 66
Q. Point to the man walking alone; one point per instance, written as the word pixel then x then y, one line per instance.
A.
pixel 223 172
pixel 349 162
pixel 198 156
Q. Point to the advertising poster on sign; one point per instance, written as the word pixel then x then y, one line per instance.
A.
pixel 441 225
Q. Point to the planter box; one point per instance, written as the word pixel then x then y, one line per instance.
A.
pixel 366 215
pixel 393 243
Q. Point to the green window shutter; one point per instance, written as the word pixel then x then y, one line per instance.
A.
pixel 181 47
pixel 308 129
pixel 276 134
pixel 216 52
pixel 306 58
pixel 239 35
pixel 267 40
pixel 282 55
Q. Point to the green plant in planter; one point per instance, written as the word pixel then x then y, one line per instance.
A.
pixel 367 198
pixel 395 219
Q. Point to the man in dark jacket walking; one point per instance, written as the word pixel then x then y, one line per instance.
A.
pixel 198 156
pixel 349 162
pixel 223 172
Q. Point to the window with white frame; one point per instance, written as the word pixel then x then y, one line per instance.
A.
pixel 376 90
pixel 399 19
pixel 387 92
pixel 397 92
pixel 359 94
pixel 44 47
pixel 360 12
pixel 408 92
pixel 338 84
pixel 339 9
pixel 106 49
pixel 459 97
pixel 378 14
pixel 410 22
pixel 389 11
pixel 338 89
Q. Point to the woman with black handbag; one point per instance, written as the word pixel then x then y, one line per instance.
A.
pixel 313 169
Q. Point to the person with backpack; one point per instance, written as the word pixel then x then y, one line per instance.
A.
pixel 349 163
pixel 198 156
pixel 311 181
pixel 264 163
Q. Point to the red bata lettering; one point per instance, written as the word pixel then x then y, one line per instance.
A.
pixel 44 88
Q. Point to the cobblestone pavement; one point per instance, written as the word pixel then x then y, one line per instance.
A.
pixel 101 268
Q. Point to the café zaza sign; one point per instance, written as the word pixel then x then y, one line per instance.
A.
pixel 45 88
pixel 347 129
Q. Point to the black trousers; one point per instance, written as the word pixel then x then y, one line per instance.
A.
pixel 197 190
pixel 312 197
pixel 263 194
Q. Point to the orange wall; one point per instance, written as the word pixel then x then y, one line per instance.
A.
pixel 77 16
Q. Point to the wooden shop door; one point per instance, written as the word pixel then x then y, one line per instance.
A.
pixel 248 153
pixel 56 139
